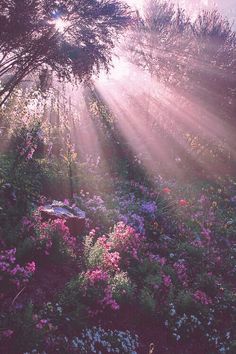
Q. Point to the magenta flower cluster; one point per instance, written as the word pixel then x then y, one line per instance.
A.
pixel 181 271
pixel 97 279
pixel 12 272
pixel 125 240
pixel 120 246
pixel 42 233
pixel 96 275
pixel 202 297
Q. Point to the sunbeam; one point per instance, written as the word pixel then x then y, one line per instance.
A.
pixel 61 24
pixel 117 177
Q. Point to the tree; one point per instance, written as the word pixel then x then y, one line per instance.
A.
pixel 195 60
pixel 166 42
pixel 73 38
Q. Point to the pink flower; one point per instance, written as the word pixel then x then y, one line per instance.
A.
pixel 96 275
pixel 41 324
pixel 111 260
pixel 92 233
pixel 30 267
pixel 181 271
pixel 167 280
pixel 108 300
pixel 166 190
pixel 66 202
pixel 12 272
pixel 183 202
pixel 203 199
pixel 162 261
pixel 43 235
pixel 7 333
pixel 125 240
pixel 26 222
pixel 206 233
pixel 202 297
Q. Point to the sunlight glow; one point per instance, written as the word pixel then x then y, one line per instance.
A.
pixel 149 122
pixel 156 123
pixel 61 25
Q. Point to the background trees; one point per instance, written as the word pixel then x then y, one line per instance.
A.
pixel 71 38
pixel 194 59
pixel 173 46
pixel 187 63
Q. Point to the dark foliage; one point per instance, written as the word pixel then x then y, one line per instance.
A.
pixel 79 45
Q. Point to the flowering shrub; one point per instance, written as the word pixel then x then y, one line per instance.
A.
pixel 147 301
pixel 181 271
pixel 100 254
pixel 122 287
pixel 134 211
pixel 98 340
pixel 11 273
pixel 50 238
pixel 96 275
pixel 201 323
pixel 123 244
pixel 125 240
pixel 92 289
pixel 103 285
pixel 177 273
pixel 96 205
pixel 149 208
pixel 134 220
pixel 202 297
pixel 98 212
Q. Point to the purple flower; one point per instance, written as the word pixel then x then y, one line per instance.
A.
pixel 149 208
pixel 134 220
pixel 8 333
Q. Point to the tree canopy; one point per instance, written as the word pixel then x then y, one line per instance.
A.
pixel 73 38
pixel 193 58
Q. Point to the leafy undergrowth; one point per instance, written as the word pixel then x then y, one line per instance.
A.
pixel 156 264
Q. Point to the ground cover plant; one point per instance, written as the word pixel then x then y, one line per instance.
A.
pixel 118 194
pixel 159 254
